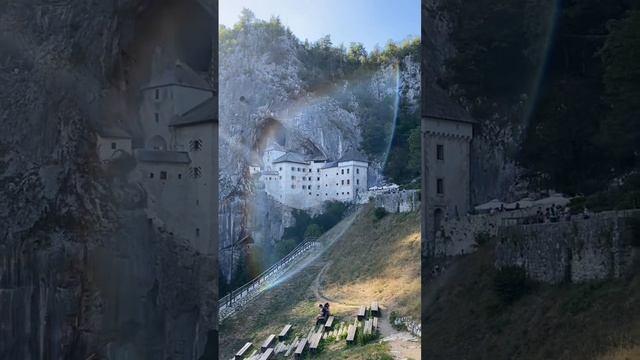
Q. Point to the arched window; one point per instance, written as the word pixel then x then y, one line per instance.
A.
pixel 157 143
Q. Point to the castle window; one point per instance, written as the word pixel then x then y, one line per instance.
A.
pixel 357 181
pixel 150 175
pixel 298 169
pixel 309 193
pixel 342 171
pixel 440 152
pixel 293 169
pixel 440 186
pixel 195 172
pixel 304 178
pixel 357 171
pixel 197 231
pixel 280 168
pixel 157 95
pixel 318 170
pixel 293 186
pixel 347 193
pixel 318 187
pixel 195 145
pixel 343 193
pixel 156 117
pixel 293 177
pixel 304 187
pixel 348 181
pixel 179 176
pixel 318 178
pixel 113 145
pixel 163 175
pixel 342 182
pixel 347 171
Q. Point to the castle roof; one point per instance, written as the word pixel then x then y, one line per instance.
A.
pixel 317 157
pixel 180 74
pixel 439 105
pixel 352 155
pixel 112 131
pixel 162 156
pixel 291 158
pixel 330 164
pixel 206 111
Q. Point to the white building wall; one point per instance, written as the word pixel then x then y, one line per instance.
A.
pixel 107 146
pixel 155 114
pixel 202 188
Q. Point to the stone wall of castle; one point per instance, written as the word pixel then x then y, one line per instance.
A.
pixel 596 248
pixel 399 201
pixel 457 236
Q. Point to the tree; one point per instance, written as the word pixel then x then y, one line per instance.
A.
pixel 621 128
pixel 313 231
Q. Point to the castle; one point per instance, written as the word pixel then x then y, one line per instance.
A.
pixel 303 182
pixel 447 131
pixel 177 159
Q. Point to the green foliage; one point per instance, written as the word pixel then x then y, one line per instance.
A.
pixel 306 226
pixel 634 225
pixel 482 238
pixel 313 231
pixel 510 283
pixel 583 129
pixel 379 213
pixel 622 88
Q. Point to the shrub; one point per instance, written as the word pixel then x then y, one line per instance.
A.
pixel 379 213
pixel 510 283
pixel 634 224
pixel 482 238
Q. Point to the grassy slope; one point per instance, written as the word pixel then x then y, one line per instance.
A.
pixel 391 244
pixel 387 265
pixel 463 319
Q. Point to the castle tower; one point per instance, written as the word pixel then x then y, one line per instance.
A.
pixel 447 130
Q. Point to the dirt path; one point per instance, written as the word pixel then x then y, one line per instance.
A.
pixel 403 344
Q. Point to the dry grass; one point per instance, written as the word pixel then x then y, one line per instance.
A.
pixel 378 260
pixel 463 318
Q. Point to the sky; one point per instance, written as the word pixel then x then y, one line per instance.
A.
pixel 370 22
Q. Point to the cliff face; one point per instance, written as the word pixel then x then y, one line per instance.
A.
pixel 82 273
pixel 266 94
pixel 494 171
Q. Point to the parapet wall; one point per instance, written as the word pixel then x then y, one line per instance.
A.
pixel 596 248
pixel 458 236
pixel 398 201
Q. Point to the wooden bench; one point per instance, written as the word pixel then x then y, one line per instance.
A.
pixel 375 309
pixel 351 333
pixel 242 352
pixel 368 327
pixel 315 341
pixel 267 343
pixel 284 332
pixel 300 349
pixel 329 323
pixel 266 355
pixel 362 311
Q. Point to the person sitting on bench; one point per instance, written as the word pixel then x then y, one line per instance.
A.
pixel 323 314
pixel 326 310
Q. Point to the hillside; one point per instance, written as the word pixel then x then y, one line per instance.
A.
pixel 366 262
pixel 599 321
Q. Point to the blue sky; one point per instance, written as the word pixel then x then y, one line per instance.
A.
pixel 367 21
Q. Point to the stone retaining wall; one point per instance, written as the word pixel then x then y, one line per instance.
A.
pixel 596 248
